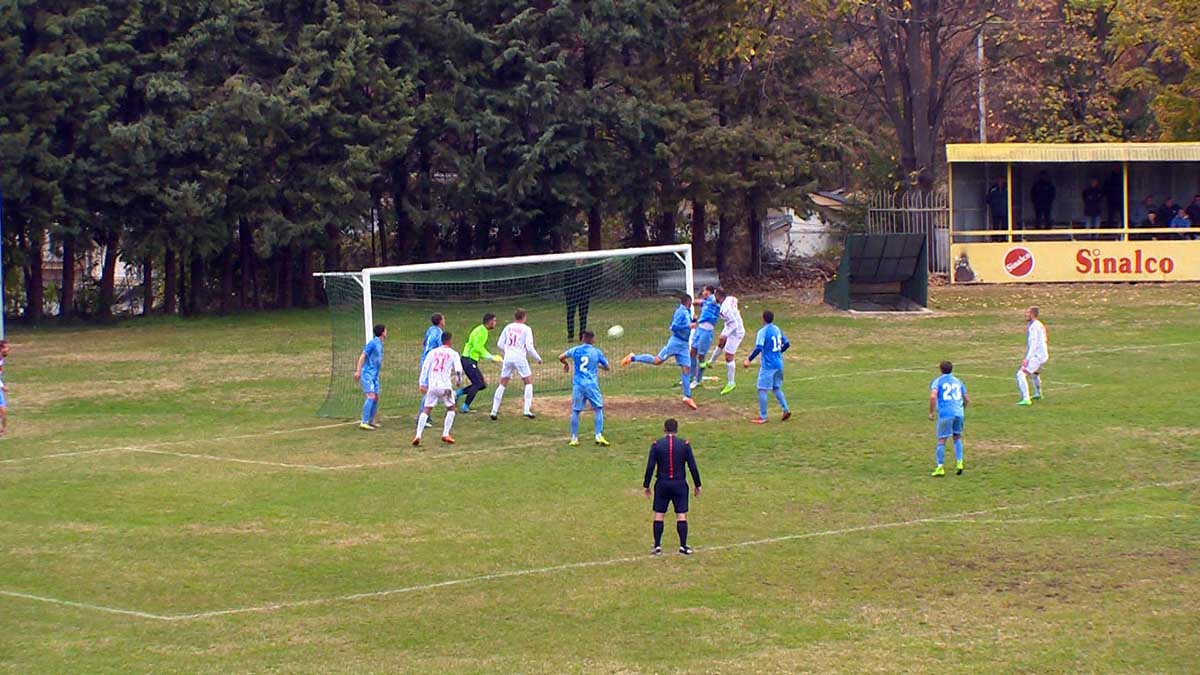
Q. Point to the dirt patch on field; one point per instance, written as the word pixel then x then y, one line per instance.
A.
pixel 641 407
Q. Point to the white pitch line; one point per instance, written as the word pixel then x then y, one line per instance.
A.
pixel 1044 521
pixel 236 460
pixel 86 605
pixel 189 441
pixel 275 606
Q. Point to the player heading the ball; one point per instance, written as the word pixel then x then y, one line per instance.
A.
pixel 731 336
pixel 516 343
pixel 677 346
pixel 702 336
pixel 589 360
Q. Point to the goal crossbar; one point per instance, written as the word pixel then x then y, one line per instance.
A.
pixel 681 251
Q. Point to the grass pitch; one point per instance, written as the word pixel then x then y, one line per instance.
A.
pixel 170 504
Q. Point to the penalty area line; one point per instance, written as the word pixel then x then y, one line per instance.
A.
pixel 551 569
pixel 150 447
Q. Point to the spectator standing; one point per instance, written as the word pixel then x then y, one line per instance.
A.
pixel 1093 205
pixel 1042 195
pixel 997 204
pixel 1114 198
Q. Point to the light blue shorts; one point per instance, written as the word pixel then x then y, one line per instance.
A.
pixel 677 348
pixel 770 378
pixel 588 394
pixel 702 340
pixel 949 426
pixel 370 384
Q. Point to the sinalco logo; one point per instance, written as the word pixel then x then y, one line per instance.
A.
pixel 1018 262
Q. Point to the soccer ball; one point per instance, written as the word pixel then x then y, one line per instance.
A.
pixel 616 332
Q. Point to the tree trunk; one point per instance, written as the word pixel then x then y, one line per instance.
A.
pixel 637 221
pixel 483 233
pixel 699 245
pixel 724 238
pixel 108 274
pixel 185 306
pixel 381 225
pixel 463 237
pixel 246 261
pixel 66 296
pixel 333 245
pixel 170 282
pixel 34 288
pixel 404 226
pixel 283 278
pixel 227 256
pixel 197 291
pixel 308 287
pixel 147 285
pixel 754 226
pixel 595 219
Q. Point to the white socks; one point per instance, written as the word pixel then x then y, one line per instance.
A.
pixel 1022 384
pixel 528 398
pixel 731 368
pixel 496 398
pixel 422 421
pixel 1037 384
pixel 449 422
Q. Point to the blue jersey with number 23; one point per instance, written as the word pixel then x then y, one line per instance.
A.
pixel 950 391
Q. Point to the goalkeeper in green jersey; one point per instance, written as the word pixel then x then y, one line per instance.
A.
pixel 473 352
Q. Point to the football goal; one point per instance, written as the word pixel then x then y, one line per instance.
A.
pixel 564 294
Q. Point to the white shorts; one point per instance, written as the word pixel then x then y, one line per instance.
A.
pixel 519 368
pixel 733 341
pixel 1034 365
pixel 436 396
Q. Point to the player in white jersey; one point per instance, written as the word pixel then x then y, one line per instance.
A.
pixel 731 336
pixel 441 374
pixel 516 342
pixel 1036 355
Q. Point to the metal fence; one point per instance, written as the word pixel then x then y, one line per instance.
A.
pixel 924 212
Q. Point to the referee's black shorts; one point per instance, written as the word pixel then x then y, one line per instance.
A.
pixel 674 492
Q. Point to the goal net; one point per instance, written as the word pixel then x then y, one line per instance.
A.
pixel 563 293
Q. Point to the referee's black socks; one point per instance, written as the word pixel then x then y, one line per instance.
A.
pixel 658 530
pixel 681 527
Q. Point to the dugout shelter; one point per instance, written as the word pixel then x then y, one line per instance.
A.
pixel 1019 246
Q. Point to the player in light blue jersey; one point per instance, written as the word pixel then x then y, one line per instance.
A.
pixel 367 372
pixel 589 360
pixel 677 346
pixel 771 343
pixel 948 397
pixel 433 340
pixel 702 336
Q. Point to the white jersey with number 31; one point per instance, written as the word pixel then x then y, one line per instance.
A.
pixel 516 341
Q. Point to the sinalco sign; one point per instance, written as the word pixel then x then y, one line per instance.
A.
pixel 1050 261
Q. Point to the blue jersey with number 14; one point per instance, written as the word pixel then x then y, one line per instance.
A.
pixel 588 360
pixel 773 343
pixel 950 392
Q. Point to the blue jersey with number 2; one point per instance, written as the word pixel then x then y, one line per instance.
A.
pixel 588 360
pixel 950 391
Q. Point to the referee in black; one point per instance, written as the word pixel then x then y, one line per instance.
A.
pixel 669 454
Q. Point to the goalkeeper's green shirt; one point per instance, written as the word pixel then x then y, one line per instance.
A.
pixel 476 348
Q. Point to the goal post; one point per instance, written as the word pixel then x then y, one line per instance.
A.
pixel 564 293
